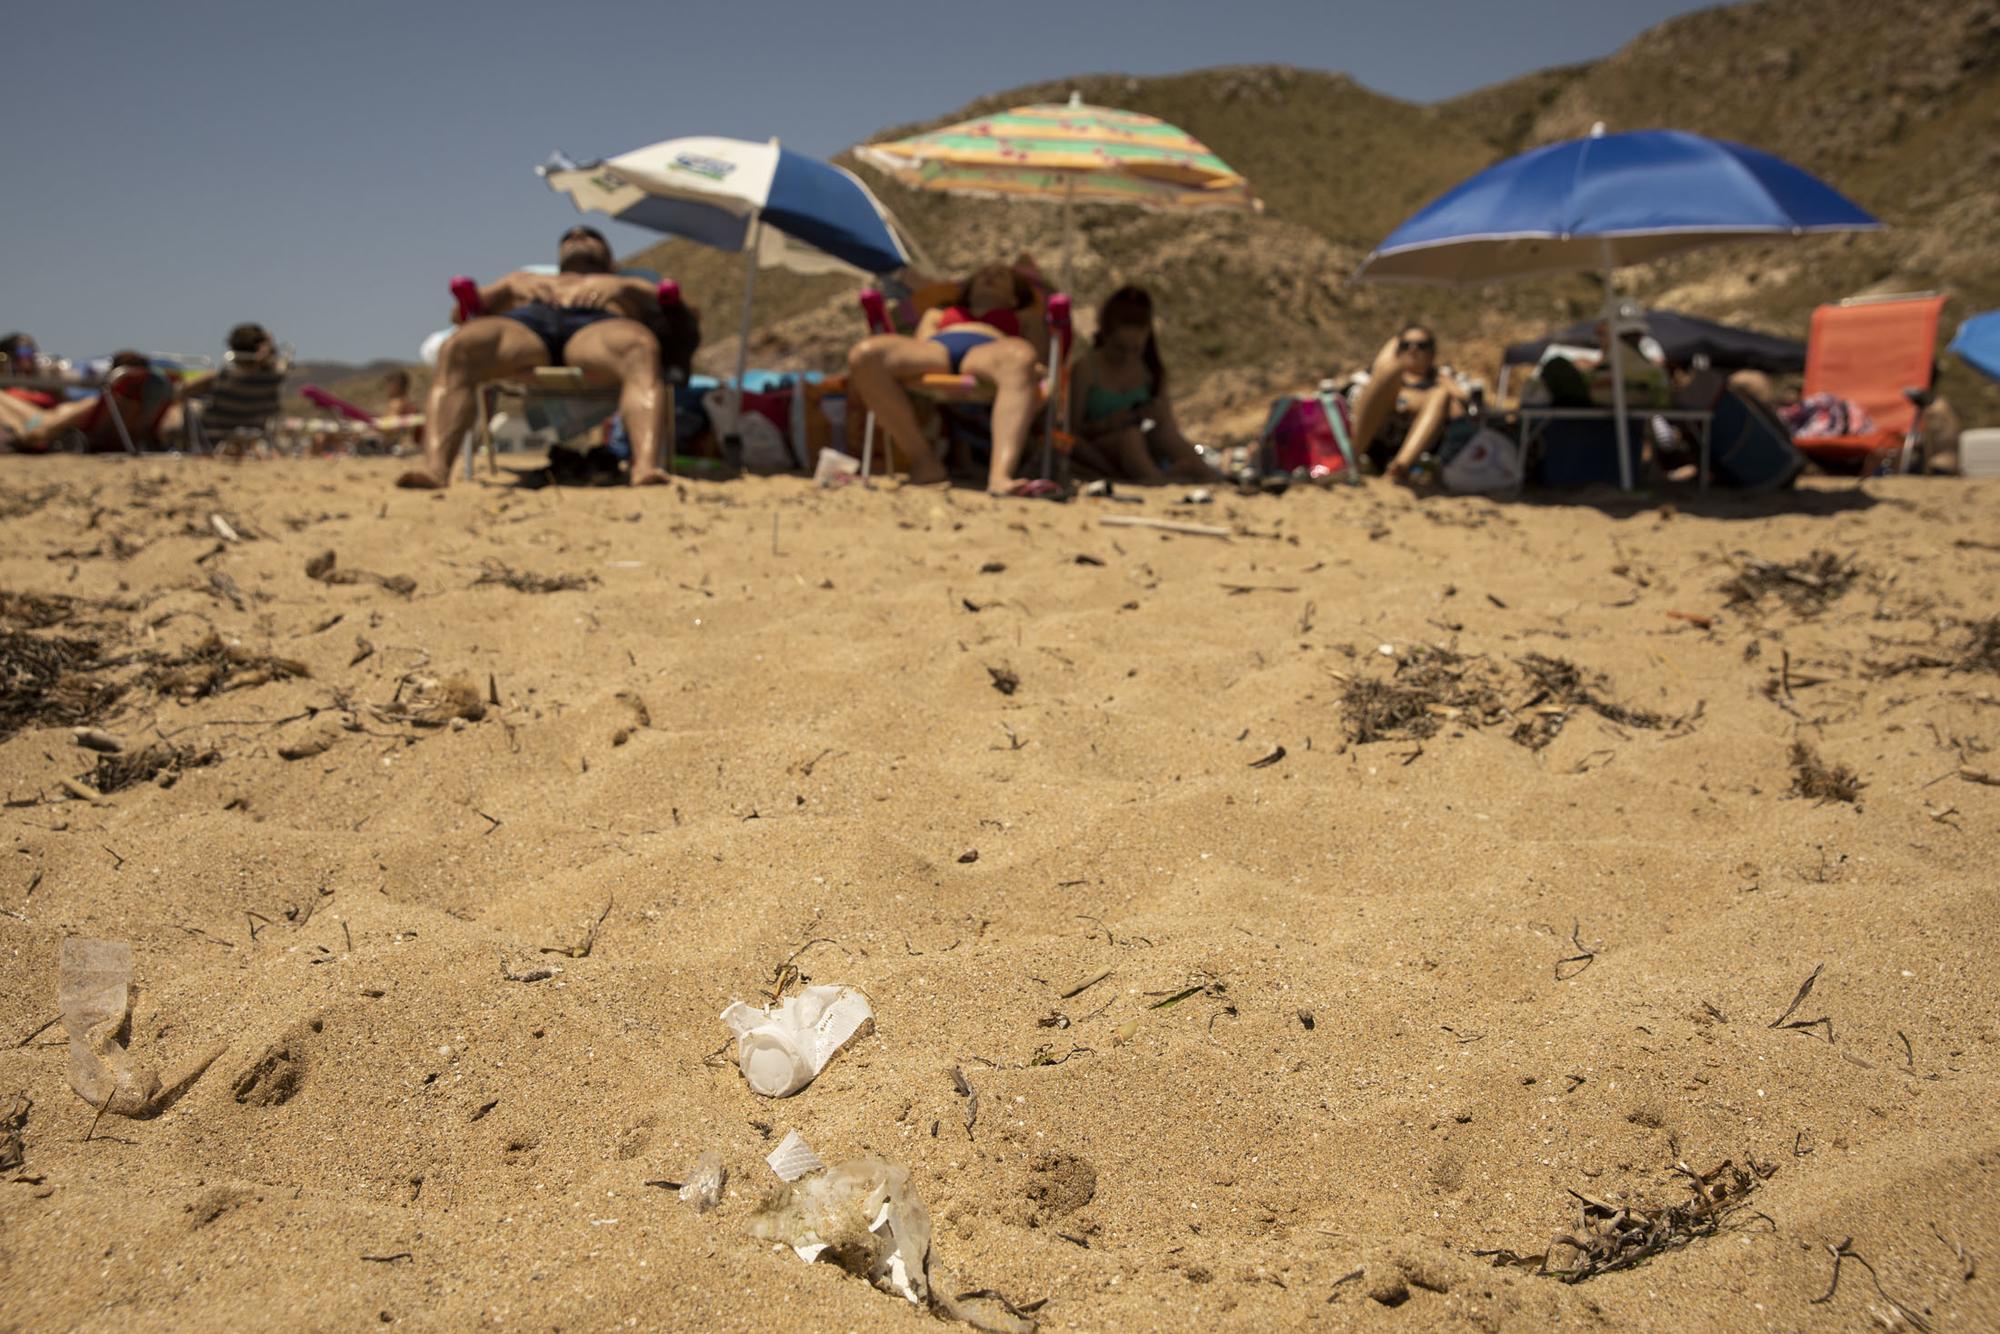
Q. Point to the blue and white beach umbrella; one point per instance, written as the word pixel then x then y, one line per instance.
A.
pixel 1604 201
pixel 779 208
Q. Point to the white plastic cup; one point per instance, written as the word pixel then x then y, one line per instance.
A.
pixel 783 1049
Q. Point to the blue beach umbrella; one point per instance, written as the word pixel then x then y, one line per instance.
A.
pixel 780 209
pixel 1978 343
pixel 1605 201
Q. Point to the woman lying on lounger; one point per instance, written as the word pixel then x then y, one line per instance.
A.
pixel 993 330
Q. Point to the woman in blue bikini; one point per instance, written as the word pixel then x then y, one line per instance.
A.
pixel 993 330
pixel 1118 398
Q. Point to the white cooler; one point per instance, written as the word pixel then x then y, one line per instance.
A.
pixel 1979 452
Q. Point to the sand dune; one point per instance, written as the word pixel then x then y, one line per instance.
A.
pixel 765 731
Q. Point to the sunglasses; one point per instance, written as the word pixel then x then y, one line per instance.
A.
pixel 1415 345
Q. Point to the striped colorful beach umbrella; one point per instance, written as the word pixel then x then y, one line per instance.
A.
pixel 1074 153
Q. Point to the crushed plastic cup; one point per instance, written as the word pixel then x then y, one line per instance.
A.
pixel 862 1215
pixel 94 991
pixel 835 468
pixel 793 1158
pixel 782 1049
pixel 703 1187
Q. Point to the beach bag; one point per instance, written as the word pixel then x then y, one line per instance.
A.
pixel 764 447
pixel 1489 461
pixel 1310 436
pixel 1749 446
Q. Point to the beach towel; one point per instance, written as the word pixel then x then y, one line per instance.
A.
pixel 1819 416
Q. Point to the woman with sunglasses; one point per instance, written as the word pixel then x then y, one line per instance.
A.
pixel 1403 409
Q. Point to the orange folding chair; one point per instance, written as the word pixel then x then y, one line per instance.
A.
pixel 1880 352
pixel 946 388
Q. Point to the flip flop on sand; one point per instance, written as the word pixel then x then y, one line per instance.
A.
pixel 1033 488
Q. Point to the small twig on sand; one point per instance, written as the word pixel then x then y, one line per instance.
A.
pixel 45 1026
pixel 581 950
pixel 1164 525
pixel 1076 990
pixel 1845 1251
pixel 1583 958
pixel 100 1113
pixel 1965 1265
pixel 1805 989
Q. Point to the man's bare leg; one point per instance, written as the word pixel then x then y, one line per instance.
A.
pixel 873 365
pixel 627 350
pixel 483 349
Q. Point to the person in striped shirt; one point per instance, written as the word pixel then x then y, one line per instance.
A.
pixel 243 395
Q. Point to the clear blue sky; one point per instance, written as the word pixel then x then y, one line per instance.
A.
pixel 171 169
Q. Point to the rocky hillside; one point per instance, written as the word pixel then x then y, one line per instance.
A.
pixel 1897 102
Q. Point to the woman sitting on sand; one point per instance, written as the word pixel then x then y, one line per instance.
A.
pixel 994 330
pixel 1118 399
pixel 1402 410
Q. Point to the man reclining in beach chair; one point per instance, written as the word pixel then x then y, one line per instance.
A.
pixel 994 330
pixel 584 316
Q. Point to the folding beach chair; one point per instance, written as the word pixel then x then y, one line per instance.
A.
pixel 150 389
pixel 566 396
pixel 250 421
pixel 1880 352
pixel 948 389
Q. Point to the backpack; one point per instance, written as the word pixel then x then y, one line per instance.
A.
pixel 1312 435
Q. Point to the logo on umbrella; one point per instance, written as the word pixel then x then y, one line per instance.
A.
pixel 708 168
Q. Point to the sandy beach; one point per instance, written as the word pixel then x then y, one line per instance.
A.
pixel 1463 838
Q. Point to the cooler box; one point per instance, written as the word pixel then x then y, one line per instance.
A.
pixel 1979 452
pixel 1585 453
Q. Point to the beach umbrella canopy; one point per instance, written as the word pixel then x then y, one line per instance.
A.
pixel 777 207
pixel 1068 154
pixel 1978 343
pixel 1683 338
pixel 1604 201
pixel 724 192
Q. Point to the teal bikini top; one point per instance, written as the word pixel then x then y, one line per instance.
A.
pixel 1101 403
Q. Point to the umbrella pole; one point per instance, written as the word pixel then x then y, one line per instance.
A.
pixel 1069 197
pixel 734 440
pixel 1612 354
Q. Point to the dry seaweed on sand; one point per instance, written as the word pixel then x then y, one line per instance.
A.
pixel 1805 586
pixel 1558 687
pixel 162 762
pixel 1432 685
pixel 497 572
pixel 35 611
pixel 1429 686
pixel 1815 778
pixel 12 1126
pixel 212 666
pixel 45 681
pixel 1979 652
pixel 1611 1236
pixel 425 701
